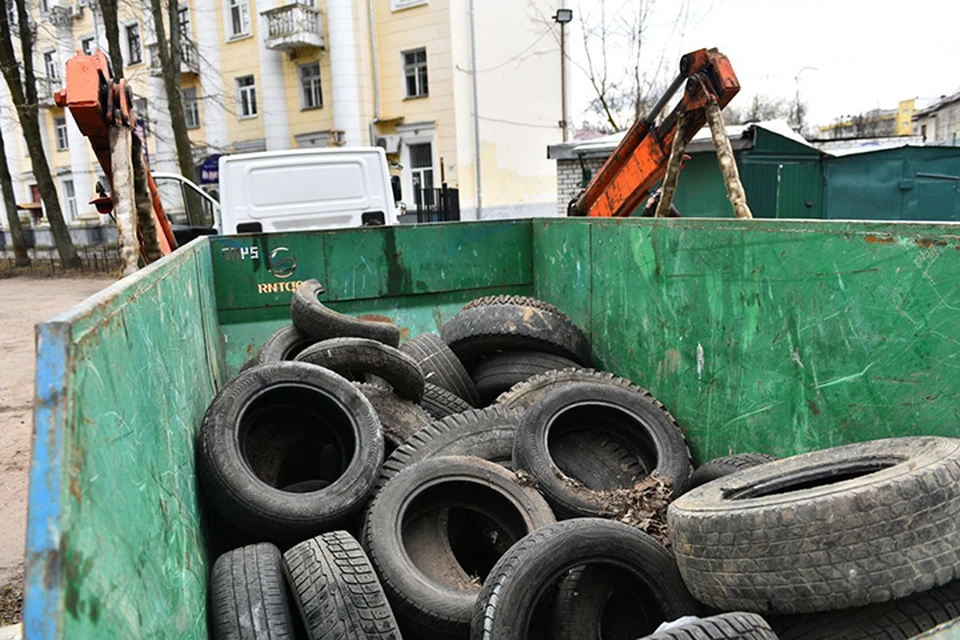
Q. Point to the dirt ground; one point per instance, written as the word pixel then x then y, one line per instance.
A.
pixel 24 301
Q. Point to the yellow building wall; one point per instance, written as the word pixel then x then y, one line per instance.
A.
pixel 905 117
pixel 426 26
pixel 240 57
pixel 307 120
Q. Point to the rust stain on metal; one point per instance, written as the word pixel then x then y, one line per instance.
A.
pixel 926 243
pixel 875 239
pixel 75 490
pixel 813 407
pixel 375 317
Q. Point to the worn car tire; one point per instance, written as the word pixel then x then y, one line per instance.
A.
pixel 499 372
pixel 284 424
pixel 430 589
pixel 515 584
pixel 483 433
pixel 513 327
pixel 283 344
pixel 249 597
pixel 440 403
pixel 737 625
pixel 833 529
pixel 525 393
pixel 317 320
pixel 399 418
pixel 633 422
pixel 352 356
pixel 336 590
pixel 896 620
pixel 720 467
pixel 524 301
pixel 441 366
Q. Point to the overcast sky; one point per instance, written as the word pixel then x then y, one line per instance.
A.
pixel 866 54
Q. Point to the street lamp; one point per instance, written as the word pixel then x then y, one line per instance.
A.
pixel 562 17
pixel 796 78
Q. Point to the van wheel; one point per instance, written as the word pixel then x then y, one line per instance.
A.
pixel 320 322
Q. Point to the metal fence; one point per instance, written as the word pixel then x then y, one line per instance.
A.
pixel 46 261
pixel 437 205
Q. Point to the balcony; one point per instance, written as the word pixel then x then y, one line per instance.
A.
pixel 293 26
pixel 189 57
pixel 46 87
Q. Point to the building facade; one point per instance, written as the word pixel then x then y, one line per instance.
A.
pixel 466 93
pixel 940 122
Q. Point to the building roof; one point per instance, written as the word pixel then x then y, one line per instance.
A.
pixel 939 104
pixel 741 137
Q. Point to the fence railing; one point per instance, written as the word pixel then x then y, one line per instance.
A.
pixel 436 205
pixel 293 24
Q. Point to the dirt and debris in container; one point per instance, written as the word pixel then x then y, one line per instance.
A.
pixel 11 601
pixel 524 479
pixel 644 506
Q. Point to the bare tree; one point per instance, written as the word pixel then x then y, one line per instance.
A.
pixel 761 107
pixel 13 215
pixel 24 95
pixel 169 52
pixel 112 28
pixel 626 74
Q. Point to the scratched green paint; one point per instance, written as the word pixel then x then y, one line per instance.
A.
pixel 143 367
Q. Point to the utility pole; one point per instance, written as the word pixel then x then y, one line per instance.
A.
pixel 562 17
pixel 796 79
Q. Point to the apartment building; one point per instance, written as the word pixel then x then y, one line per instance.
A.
pixel 461 92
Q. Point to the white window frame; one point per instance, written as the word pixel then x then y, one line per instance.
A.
pixel 185 26
pixel 406 67
pixel 70 197
pixel 315 84
pixel 252 99
pixel 44 6
pixel 127 49
pixel 51 65
pixel 93 45
pixel 410 134
pixel 191 107
pixel 60 134
pixel 243 9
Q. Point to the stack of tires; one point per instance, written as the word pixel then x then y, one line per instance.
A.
pixel 482 483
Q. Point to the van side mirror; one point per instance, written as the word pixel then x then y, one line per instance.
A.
pixel 397 192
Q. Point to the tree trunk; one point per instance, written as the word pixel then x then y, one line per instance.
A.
pixel 25 100
pixel 13 215
pixel 109 10
pixel 170 68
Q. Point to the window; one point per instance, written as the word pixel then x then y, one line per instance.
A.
pixel 51 66
pixel 134 51
pixel 421 168
pixel 415 71
pixel 60 126
pixel 247 97
pixel 44 6
pixel 311 97
pixel 191 107
pixel 184 20
pixel 88 45
pixel 70 195
pixel 239 18
pixel 143 114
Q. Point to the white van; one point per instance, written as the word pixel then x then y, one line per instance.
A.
pixel 285 191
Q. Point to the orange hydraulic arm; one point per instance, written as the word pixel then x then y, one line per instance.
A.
pixel 640 161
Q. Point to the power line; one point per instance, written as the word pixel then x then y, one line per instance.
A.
pixel 521 124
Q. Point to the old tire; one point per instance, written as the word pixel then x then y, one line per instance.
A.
pixel 440 403
pixel 720 467
pixel 431 588
pixel 515 584
pixel 399 418
pixel 284 344
pixel 352 356
pixel 280 425
pixel 318 321
pixel 336 590
pixel 483 433
pixel 634 423
pixel 441 366
pixel 601 603
pixel 524 394
pixel 738 625
pixel 896 620
pixel 524 301
pixel 513 327
pixel 833 529
pixel 249 596
pixel 500 371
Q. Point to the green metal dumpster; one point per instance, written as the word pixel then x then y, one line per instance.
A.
pixel 774 336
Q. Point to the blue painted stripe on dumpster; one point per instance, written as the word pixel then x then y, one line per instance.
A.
pixel 42 593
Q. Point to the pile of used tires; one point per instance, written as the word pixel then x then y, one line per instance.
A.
pixel 487 484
